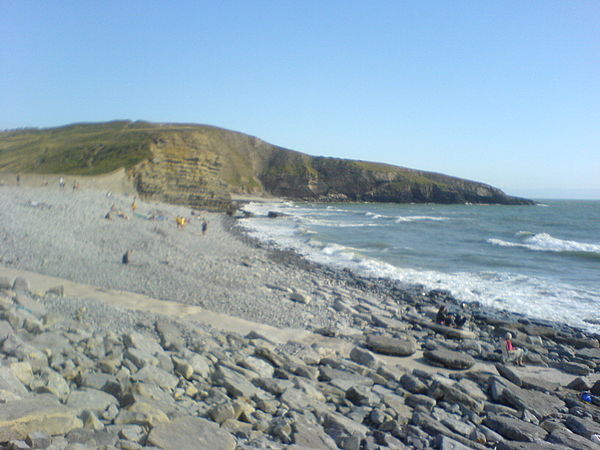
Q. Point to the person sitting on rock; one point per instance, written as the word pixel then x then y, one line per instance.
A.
pixel 444 317
pixel 514 354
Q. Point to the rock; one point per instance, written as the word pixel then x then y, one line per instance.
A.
pixel 300 298
pixel 133 433
pixel 449 359
pixel 182 367
pixel 307 434
pixel 143 343
pixel 445 443
pixel 191 432
pixel 236 384
pixel 93 400
pixel 388 345
pixel 509 373
pixel 569 439
pixel 580 384
pixel 200 365
pixel 452 394
pixel 37 439
pixel 221 412
pixel 170 336
pixel 583 427
pixel 415 400
pixel 539 403
pixel 42 414
pixel 155 375
pixel 413 384
pixel 21 285
pixel 574 368
pixel 259 366
pixel 364 357
pixel 6 283
pixel 10 379
pixel 141 413
pixel 140 358
pixel 515 429
pixel 337 422
pixel 51 382
pixel 361 395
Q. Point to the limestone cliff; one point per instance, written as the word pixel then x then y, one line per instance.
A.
pixel 201 166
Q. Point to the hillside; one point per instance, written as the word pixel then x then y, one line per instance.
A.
pixel 202 166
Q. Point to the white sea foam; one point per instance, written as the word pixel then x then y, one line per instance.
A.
pixel 534 296
pixel 546 243
pixel 417 218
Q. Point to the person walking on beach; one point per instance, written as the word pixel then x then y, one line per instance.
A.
pixel 204 227
pixel 127 257
pixel 18 180
pixel 61 182
pixel 514 354
pixel 134 204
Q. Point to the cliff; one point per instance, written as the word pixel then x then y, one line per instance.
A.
pixel 201 166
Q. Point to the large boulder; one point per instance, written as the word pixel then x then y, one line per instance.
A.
pixel 388 345
pixel 449 359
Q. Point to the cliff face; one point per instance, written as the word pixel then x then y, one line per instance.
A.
pixel 202 166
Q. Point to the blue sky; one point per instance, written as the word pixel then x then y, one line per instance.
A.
pixel 504 92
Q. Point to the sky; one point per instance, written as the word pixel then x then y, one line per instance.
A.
pixel 502 92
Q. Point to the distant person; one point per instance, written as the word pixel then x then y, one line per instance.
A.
pixel 61 182
pixel 134 204
pixel 442 315
pixel 181 222
pixel 75 186
pixel 126 259
pixel 18 180
pixel 514 354
pixel 204 227
pixel 108 216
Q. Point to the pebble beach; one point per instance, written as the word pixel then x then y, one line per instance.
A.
pixel 362 364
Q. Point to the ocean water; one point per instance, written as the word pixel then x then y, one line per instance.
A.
pixel 542 261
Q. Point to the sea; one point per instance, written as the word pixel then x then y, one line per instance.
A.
pixel 542 261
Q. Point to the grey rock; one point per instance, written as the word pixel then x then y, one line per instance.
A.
pixel 156 375
pixel 6 283
pixel 413 384
pixel 445 443
pixel 574 368
pixel 140 358
pixel 569 439
pixel 509 373
pixel 388 345
pixel 452 394
pixel 200 365
pixel 259 366
pixel 581 426
pixel 133 433
pixel 21 285
pixel 449 359
pixel 221 412
pixel 236 384
pixel 43 414
pixel 11 383
pixel 170 336
pixel 140 342
pixel 415 400
pixel 515 429
pixel 300 297
pixel 37 439
pixel 363 357
pixel 53 383
pixel 361 395
pixel 191 432
pixel 539 403
pixel 307 434
pixel 334 422
pixel 580 384
pixel 90 399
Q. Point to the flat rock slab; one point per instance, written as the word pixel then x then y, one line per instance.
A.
pixel 449 359
pixel 191 432
pixel 43 413
pixel 515 429
pixel 388 345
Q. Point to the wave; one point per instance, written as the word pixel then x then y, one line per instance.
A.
pixel 402 219
pixel 545 242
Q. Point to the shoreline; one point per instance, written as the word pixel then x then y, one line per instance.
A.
pixel 230 297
